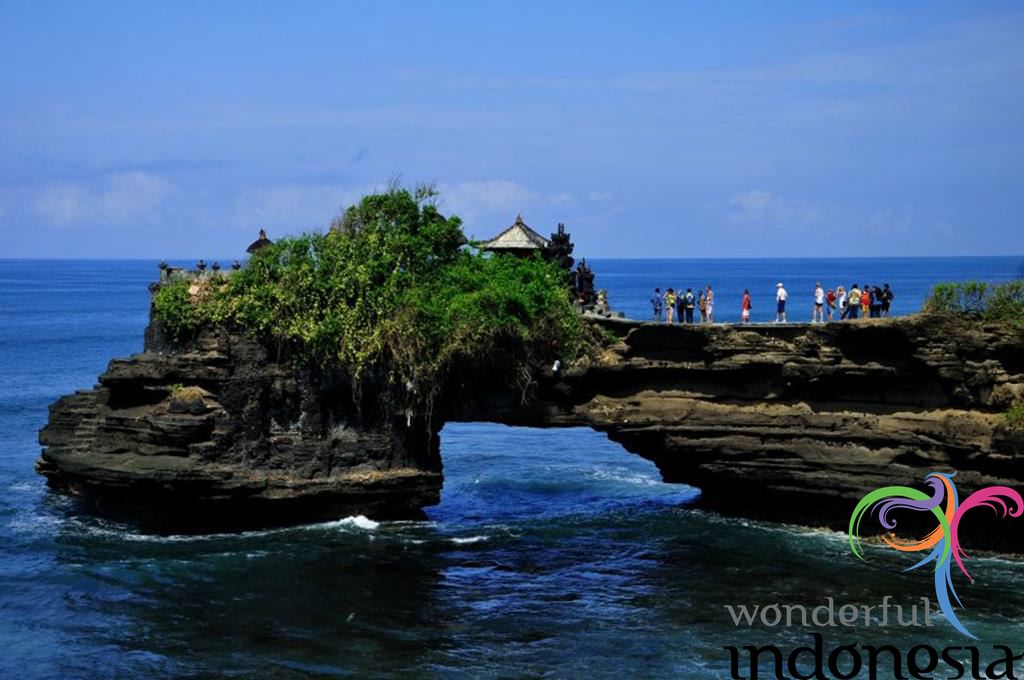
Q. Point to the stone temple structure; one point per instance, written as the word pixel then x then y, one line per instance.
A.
pixel 518 239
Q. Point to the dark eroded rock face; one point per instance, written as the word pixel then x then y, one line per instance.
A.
pixel 220 435
pixel 797 423
pixel 782 422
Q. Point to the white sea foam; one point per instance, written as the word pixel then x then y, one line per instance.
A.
pixel 360 521
pixel 126 533
pixel 33 523
pixel 412 523
pixel 620 475
pixel 468 539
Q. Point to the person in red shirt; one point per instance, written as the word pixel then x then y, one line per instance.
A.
pixel 830 299
pixel 745 307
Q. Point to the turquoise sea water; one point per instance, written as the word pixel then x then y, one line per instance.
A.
pixel 553 553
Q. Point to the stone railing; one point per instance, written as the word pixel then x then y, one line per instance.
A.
pixel 169 274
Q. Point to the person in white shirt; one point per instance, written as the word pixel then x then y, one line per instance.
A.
pixel 818 313
pixel 780 297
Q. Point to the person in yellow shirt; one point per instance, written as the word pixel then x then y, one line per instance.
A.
pixel 853 302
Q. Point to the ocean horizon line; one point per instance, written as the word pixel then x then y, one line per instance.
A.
pixel 598 258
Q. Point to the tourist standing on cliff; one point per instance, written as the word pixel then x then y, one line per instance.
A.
pixel 702 305
pixel 887 297
pixel 745 307
pixel 818 311
pixel 830 303
pixel 680 306
pixel 670 304
pixel 656 304
pixel 780 302
pixel 688 303
pixel 709 304
pixel 865 300
pixel 841 302
pixel 853 303
pixel 875 302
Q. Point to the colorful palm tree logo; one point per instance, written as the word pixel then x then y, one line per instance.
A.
pixel 944 540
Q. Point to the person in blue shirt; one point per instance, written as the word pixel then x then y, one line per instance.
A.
pixel 656 304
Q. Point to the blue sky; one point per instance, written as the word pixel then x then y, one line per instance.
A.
pixel 650 129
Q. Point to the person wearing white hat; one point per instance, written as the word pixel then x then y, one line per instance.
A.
pixel 780 297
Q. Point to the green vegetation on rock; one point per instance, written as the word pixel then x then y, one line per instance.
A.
pixel 979 300
pixel 391 285
pixel 1015 417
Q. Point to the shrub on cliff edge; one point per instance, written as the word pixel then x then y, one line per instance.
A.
pixel 978 300
pixel 391 284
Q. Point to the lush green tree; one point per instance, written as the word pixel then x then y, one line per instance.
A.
pixel 391 284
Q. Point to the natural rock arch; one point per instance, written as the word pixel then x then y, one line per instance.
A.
pixel 767 421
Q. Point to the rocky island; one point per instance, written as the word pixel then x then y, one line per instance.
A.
pixel 229 425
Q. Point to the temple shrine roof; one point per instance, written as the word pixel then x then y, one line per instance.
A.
pixel 260 242
pixel 519 236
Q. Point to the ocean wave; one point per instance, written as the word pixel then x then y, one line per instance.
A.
pixel 106 529
pixel 789 529
pixel 359 521
pixel 622 475
pixel 27 485
pixel 33 523
pixel 460 540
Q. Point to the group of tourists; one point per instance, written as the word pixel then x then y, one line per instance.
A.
pixel 829 305
pixel 870 301
pixel 682 305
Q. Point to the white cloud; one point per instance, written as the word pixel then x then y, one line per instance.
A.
pixel 300 206
pixel 474 199
pixel 295 206
pixel 891 222
pixel 125 196
pixel 134 193
pixel 62 203
pixel 763 206
pixel 599 196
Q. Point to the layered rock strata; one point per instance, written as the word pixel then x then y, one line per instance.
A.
pixel 797 423
pixel 781 422
pixel 218 434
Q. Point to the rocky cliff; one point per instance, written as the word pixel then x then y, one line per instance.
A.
pixel 797 423
pixel 221 434
pixel 781 422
